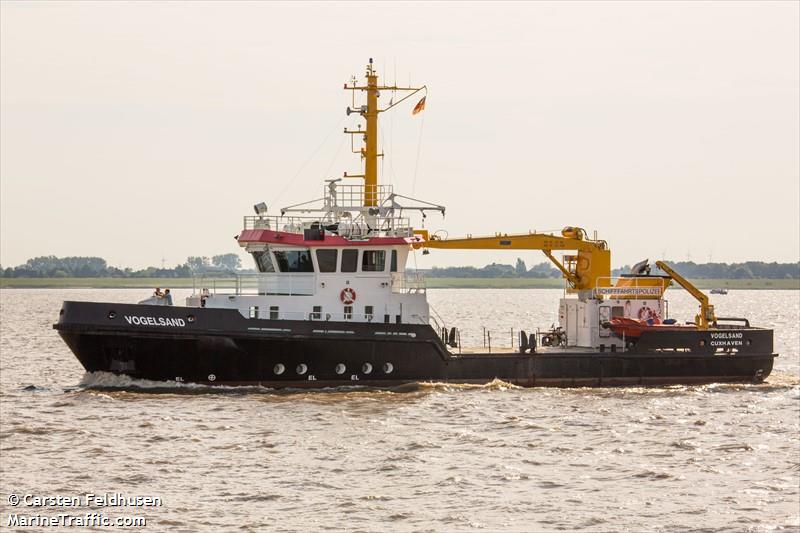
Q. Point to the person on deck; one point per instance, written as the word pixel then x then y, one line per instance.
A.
pixel 158 293
pixel 168 297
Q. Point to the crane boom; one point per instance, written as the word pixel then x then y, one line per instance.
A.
pixel 706 315
pixel 589 269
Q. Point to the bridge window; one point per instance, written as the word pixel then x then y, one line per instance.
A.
pixel 274 312
pixel 263 261
pixel 373 261
pixel 294 261
pixel 349 260
pixel 348 312
pixel 326 260
pixel 368 313
pixel 393 267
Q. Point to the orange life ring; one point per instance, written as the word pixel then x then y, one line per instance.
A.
pixel 348 296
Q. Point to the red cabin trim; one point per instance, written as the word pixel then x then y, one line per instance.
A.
pixel 296 239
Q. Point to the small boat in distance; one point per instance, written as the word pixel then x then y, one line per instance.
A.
pixel 719 291
pixel 332 304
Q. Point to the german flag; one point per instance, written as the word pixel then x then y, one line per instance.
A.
pixel 419 107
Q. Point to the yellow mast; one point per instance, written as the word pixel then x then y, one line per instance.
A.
pixel 371 140
pixel 369 153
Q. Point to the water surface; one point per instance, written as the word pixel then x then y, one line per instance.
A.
pixel 430 457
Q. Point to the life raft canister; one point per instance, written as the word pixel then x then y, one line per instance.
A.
pixel 348 296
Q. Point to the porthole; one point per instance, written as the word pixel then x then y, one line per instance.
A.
pixel 340 368
pixel 279 369
pixel 749 342
pixel 301 369
pixel 366 368
pixel 190 318
pixel 111 315
pixel 702 342
pixel 212 377
pixel 388 368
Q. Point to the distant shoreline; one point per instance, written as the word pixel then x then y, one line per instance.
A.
pixel 432 283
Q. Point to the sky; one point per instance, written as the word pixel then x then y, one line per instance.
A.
pixel 143 132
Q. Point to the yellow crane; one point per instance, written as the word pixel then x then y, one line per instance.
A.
pixel 706 315
pixel 589 269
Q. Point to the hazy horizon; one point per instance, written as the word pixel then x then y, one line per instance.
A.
pixel 510 259
pixel 142 131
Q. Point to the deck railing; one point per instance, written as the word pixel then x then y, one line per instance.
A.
pixel 284 284
pixel 352 196
pixel 408 283
pixel 636 287
pixel 289 284
pixel 290 224
pixel 234 284
pixel 350 229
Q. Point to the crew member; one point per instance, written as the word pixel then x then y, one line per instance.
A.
pixel 167 296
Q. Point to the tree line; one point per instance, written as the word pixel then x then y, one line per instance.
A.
pixel 746 270
pixel 688 269
pixel 96 267
pixel 51 266
pixel 497 270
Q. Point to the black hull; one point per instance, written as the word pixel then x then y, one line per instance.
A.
pixel 220 347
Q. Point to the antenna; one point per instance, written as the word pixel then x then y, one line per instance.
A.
pixel 372 205
pixel 369 151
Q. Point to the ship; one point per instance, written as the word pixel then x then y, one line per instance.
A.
pixel 333 303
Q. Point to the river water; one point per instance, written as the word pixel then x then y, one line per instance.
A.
pixel 430 457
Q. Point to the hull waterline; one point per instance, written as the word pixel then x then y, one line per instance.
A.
pixel 220 347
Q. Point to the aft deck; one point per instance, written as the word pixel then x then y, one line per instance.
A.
pixel 508 350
